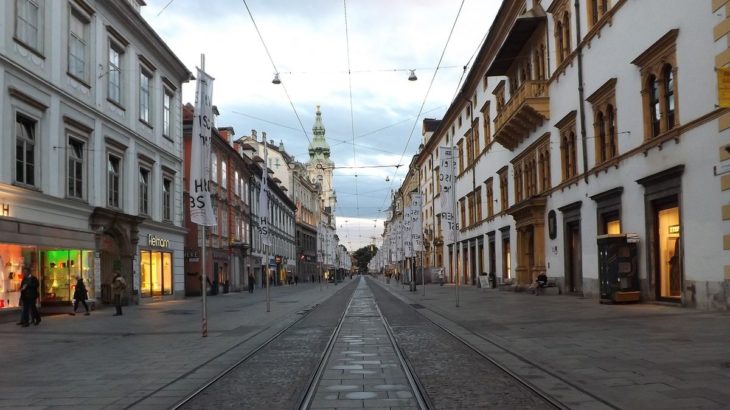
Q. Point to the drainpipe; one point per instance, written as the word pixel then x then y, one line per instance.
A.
pixel 581 91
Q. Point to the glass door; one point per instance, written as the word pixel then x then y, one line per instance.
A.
pixel 668 252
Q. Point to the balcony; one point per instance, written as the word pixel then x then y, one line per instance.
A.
pixel 524 112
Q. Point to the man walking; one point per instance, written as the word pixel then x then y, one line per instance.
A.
pixel 119 285
pixel 251 282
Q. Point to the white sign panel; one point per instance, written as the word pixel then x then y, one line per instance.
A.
pixel 447 174
pixel 264 200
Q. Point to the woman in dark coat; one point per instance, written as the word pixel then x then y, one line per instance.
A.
pixel 80 295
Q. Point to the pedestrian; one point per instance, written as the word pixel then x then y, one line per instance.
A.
pixel 28 295
pixel 251 282
pixel 80 295
pixel 296 280
pixel 441 277
pixel 119 285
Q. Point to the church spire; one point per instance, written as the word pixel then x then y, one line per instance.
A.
pixel 318 148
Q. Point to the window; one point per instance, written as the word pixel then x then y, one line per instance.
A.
pixel 478 204
pixel 236 188
pixel 487 121
pixel 28 23
pixel 462 207
pixel 659 81
pixel 503 189
pixel 460 150
pixel 113 180
pixel 469 148
pixel 568 146
pixel 597 9
pixel 518 182
pixel 490 197
pixel 224 174
pixel 25 143
pixel 145 79
pixel 144 191
pixel 167 199
pixel 166 113
pixel 114 73
pixel 75 170
pixel 560 10
pixel 604 122
pixel 544 165
pixel 214 168
pixel 78 40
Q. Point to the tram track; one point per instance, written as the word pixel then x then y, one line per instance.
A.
pixel 189 401
pixel 548 398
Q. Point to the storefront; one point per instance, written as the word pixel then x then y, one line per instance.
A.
pixel 157 268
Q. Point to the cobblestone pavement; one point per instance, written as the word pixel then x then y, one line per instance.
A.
pixel 634 356
pixel 453 376
pixel 153 351
pixel 277 376
pixel 363 370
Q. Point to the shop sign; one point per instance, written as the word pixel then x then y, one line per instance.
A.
pixel 673 229
pixel 153 240
pixel 192 255
pixel 4 209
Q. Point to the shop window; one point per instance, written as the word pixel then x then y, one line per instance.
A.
pixel 13 260
pixel 25 145
pixel 155 273
pixel 60 268
pixel 670 271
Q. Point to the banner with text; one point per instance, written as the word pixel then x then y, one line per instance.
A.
pixel 447 174
pixel 201 206
pixel 264 199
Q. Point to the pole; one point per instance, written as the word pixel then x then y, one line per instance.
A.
pixel 455 231
pixel 204 276
pixel 423 277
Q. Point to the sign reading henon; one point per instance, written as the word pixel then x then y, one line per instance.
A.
pixel 153 240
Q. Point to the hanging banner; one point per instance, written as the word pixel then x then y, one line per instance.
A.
pixel 417 223
pixel 447 174
pixel 201 206
pixel 264 199
pixel 407 233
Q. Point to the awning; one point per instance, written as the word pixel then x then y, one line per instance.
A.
pixel 523 29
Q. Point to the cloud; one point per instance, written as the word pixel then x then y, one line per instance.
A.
pixel 375 104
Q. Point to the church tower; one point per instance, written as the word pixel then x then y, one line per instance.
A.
pixel 320 166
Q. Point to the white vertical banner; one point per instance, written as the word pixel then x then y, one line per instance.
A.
pixel 447 174
pixel 407 233
pixel 201 206
pixel 264 200
pixel 392 246
pixel 417 228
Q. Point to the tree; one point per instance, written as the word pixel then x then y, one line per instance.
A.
pixel 363 256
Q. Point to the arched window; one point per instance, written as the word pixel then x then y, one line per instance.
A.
pixel 566 35
pixel 559 41
pixel 652 86
pixel 564 153
pixel 594 11
pixel 669 97
pixel 612 141
pixel 604 7
pixel 601 137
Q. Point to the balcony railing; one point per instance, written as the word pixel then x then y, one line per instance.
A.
pixel 526 110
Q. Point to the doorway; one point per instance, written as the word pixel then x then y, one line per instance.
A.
pixel 573 258
pixel 492 257
pixel 667 250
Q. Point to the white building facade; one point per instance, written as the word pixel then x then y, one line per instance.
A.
pixel 580 124
pixel 92 176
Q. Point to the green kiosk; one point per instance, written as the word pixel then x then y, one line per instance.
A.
pixel 617 268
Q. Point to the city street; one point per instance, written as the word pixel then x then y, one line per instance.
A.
pixel 581 353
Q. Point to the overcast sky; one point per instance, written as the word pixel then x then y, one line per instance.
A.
pixel 308 44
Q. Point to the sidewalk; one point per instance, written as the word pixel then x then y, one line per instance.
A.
pixel 634 356
pixel 100 361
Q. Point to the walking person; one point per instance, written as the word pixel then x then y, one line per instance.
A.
pixel 119 285
pixel 28 295
pixel 251 282
pixel 80 295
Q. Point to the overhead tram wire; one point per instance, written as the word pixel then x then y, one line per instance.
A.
pixel 164 8
pixel 433 78
pixel 275 70
pixel 463 73
pixel 352 114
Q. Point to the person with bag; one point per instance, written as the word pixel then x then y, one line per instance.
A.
pixel 28 295
pixel 80 295
pixel 119 285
